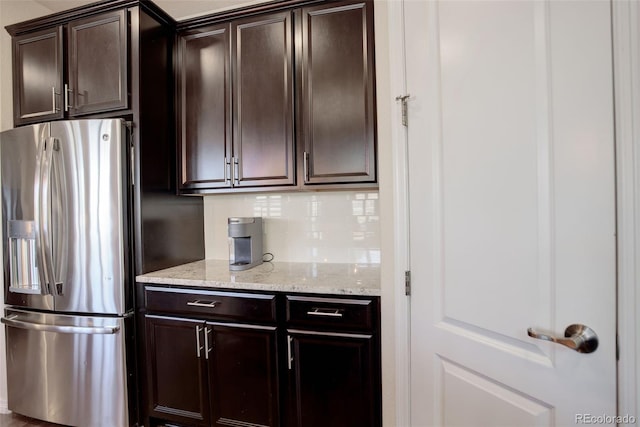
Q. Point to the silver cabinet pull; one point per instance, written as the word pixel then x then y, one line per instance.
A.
pixel 327 312
pixel 227 171
pixel 236 170
pixel 207 348
pixel 198 346
pixel 577 337
pixel 67 104
pixel 305 166
pixel 53 100
pixel 289 354
pixel 207 304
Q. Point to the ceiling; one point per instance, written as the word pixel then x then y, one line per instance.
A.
pixel 178 9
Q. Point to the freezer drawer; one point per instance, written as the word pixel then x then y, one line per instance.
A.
pixel 66 369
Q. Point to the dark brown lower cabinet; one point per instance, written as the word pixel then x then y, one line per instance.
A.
pixel 211 374
pixel 252 359
pixel 333 379
pixel 178 384
pixel 243 375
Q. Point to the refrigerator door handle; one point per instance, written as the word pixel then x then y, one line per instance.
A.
pixel 43 327
pixel 58 228
pixel 39 208
pixel 44 217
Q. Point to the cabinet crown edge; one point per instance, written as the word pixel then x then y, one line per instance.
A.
pixel 61 18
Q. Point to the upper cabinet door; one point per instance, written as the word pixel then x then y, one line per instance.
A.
pixel 98 63
pixel 204 107
pixel 262 56
pixel 37 76
pixel 338 93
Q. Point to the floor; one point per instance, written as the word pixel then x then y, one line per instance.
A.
pixel 15 420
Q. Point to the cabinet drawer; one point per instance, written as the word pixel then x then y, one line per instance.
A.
pixel 211 304
pixel 334 313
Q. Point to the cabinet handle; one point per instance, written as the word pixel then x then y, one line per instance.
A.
pixel 207 349
pixel 207 304
pixel 327 312
pixel 53 99
pixel 305 166
pixel 236 170
pixel 67 104
pixel 227 171
pixel 289 353
pixel 198 346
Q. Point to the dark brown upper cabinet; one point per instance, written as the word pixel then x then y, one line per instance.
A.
pixel 204 108
pixel 97 64
pixel 278 96
pixel 93 80
pixel 338 115
pixel 37 76
pixel 235 104
pixel 263 101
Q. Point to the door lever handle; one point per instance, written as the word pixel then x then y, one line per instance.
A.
pixel 580 338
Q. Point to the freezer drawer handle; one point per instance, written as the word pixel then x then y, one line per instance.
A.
pixel 11 321
pixel 207 304
pixel 327 312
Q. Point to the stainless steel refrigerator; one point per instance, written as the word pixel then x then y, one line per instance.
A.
pixel 66 227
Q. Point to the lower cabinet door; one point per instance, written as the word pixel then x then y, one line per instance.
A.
pixel 176 370
pixel 333 378
pixel 243 372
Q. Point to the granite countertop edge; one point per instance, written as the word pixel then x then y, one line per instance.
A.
pixel 292 277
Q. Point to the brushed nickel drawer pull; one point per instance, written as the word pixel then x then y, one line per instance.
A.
pixel 328 312
pixel 207 304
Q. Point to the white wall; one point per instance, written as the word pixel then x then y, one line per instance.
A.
pixel 11 11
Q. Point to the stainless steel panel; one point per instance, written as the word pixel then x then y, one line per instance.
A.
pixel 61 372
pixel 20 155
pixel 88 216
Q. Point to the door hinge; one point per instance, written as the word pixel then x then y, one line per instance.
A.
pixel 403 101
pixel 407 282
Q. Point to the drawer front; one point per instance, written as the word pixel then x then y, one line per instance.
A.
pixel 211 304
pixel 333 313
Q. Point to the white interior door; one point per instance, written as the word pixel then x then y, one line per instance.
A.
pixel 512 210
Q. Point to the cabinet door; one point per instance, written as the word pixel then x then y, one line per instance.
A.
pixel 263 101
pixel 338 94
pixel 333 379
pixel 37 76
pixel 243 374
pixel 176 370
pixel 204 104
pixel 98 63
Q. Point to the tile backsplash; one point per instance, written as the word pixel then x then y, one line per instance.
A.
pixel 342 227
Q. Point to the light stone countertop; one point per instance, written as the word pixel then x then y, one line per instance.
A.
pixel 314 278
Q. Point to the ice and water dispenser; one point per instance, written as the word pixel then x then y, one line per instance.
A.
pixel 245 242
pixel 23 269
